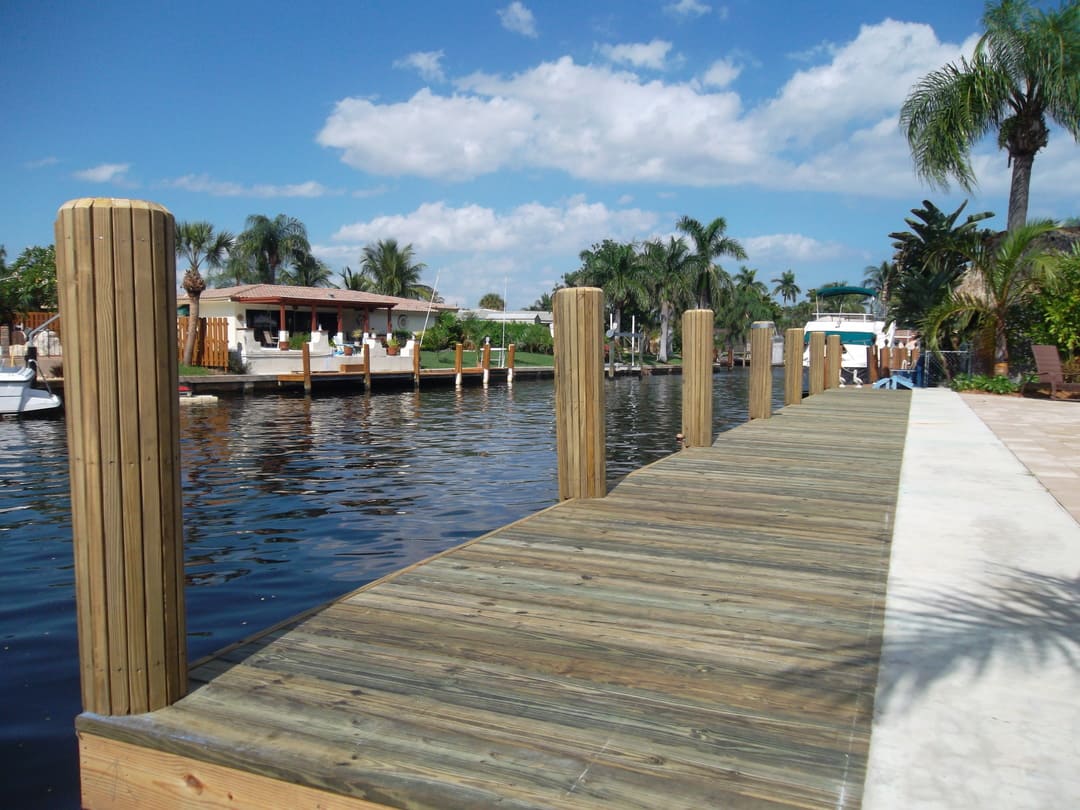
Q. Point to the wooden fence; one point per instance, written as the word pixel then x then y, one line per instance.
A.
pixel 211 342
pixel 32 320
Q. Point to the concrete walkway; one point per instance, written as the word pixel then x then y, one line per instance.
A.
pixel 978 701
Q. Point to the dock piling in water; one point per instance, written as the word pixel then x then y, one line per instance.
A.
pixel 761 369
pixel 697 413
pixel 833 354
pixel 580 437
pixel 793 368
pixel 116 266
pixel 816 373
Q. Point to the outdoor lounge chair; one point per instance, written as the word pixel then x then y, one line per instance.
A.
pixel 1048 364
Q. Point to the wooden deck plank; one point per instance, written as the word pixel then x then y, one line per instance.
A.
pixel 707 635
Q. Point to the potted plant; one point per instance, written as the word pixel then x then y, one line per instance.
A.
pixel 392 346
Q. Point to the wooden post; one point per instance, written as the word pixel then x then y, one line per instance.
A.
pixel 816 373
pixel 761 369
pixel 367 366
pixel 697 396
pixel 116 267
pixel 833 354
pixel 416 363
pixel 872 363
pixel 793 366
pixel 510 364
pixel 486 363
pixel 580 438
pixel 459 352
pixel 305 352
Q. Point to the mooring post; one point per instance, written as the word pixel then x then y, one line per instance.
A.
pixel 510 364
pixel 305 352
pixel 367 367
pixel 486 363
pixel 459 351
pixel 872 363
pixel 761 369
pixel 116 266
pixel 816 373
pixel 697 386
pixel 793 366
pixel 833 353
pixel 416 364
pixel 580 439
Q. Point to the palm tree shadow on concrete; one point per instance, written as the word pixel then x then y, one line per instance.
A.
pixel 1030 619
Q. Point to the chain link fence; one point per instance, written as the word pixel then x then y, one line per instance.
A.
pixel 940 367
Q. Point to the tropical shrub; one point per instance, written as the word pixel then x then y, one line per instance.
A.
pixel 983 382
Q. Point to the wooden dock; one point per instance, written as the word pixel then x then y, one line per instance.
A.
pixel 705 636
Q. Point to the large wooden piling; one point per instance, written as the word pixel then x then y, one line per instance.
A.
pixel 116 266
pixel 485 363
pixel 816 372
pixel 697 388
pixel 793 366
pixel 579 392
pixel 761 369
pixel 833 353
pixel 510 363
pixel 459 360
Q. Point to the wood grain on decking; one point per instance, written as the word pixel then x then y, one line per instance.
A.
pixel 707 635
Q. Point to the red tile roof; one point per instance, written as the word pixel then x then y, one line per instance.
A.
pixel 320 296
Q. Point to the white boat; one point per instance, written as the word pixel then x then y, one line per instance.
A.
pixel 17 392
pixel 860 332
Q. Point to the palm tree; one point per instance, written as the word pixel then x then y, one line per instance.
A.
pixel 307 271
pixel 614 266
pixel 392 270
pixel 927 266
pixel 880 277
pixel 353 280
pixel 668 279
pixel 786 287
pixel 196 243
pixel 541 304
pixel 492 301
pixel 1025 67
pixel 267 244
pixel 1003 276
pixel 748 302
pixel 710 242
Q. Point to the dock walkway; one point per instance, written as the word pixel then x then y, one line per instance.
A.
pixel 707 635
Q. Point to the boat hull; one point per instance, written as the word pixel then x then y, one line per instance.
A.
pixel 18 396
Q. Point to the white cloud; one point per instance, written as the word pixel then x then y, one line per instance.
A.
pixel 517 18
pixel 426 63
pixel 638 54
pixel 204 184
pixel 440 228
pixel 105 173
pixel 831 127
pixel 429 135
pixel 865 79
pixel 40 164
pixel 721 73
pixel 688 8
pixel 781 248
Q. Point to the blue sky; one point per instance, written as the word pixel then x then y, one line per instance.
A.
pixel 499 138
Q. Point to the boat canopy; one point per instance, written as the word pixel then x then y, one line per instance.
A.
pixel 847 338
pixel 829 292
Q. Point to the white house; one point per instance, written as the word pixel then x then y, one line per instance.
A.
pixel 261 317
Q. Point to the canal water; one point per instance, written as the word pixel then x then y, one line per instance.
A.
pixel 289 502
